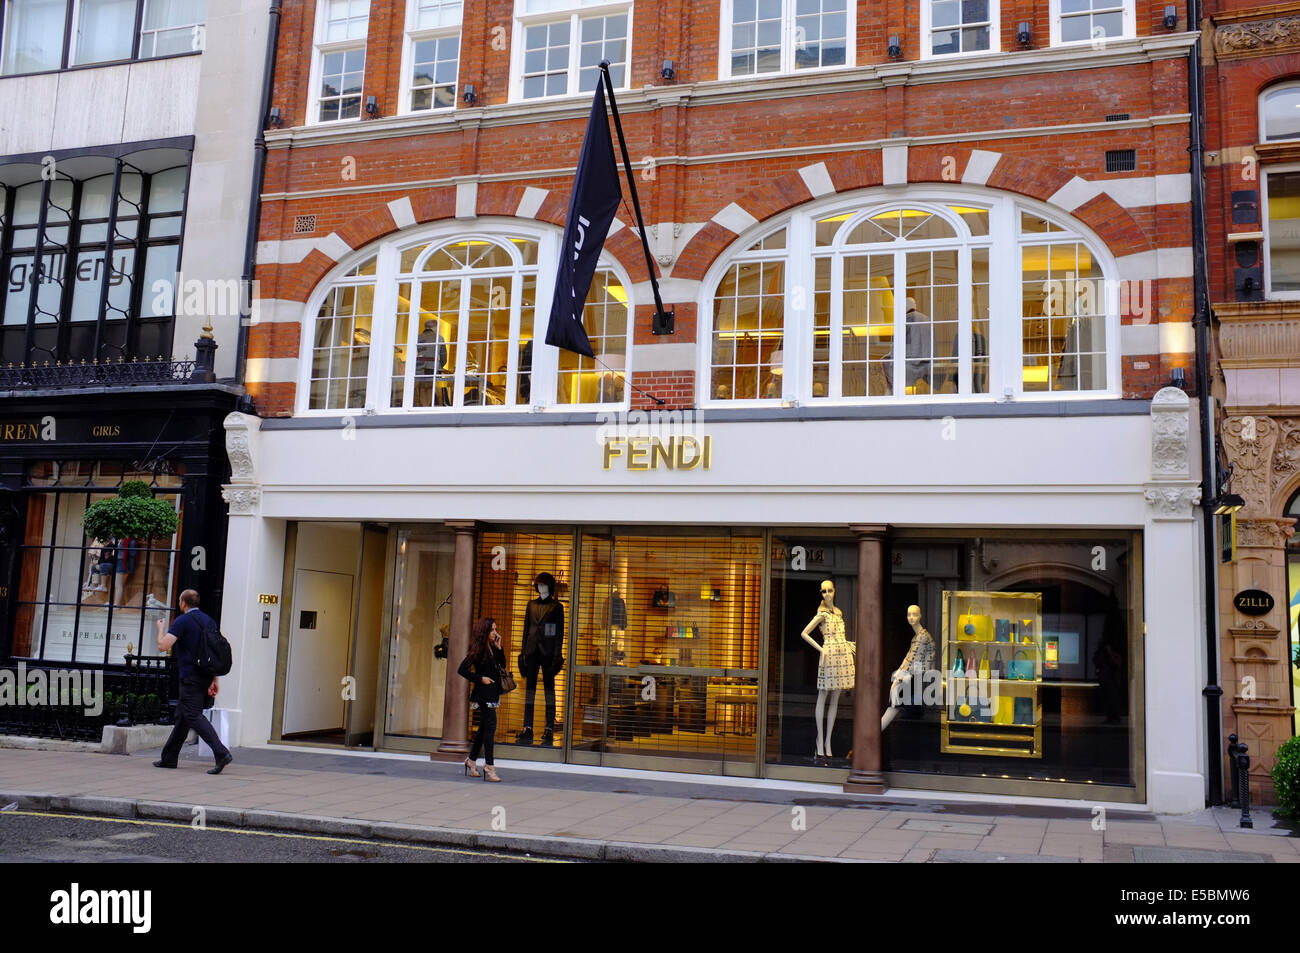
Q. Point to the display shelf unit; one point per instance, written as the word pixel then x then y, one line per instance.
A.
pixel 985 715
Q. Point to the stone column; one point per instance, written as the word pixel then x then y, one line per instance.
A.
pixel 1255 650
pixel 866 777
pixel 455 706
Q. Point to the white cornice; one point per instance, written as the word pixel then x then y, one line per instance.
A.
pixel 820 83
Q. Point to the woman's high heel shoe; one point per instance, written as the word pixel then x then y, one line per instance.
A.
pixel 490 773
pixel 471 769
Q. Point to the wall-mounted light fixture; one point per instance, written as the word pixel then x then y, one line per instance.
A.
pixel 1024 35
pixel 372 107
pixel 273 118
pixel 1226 503
pixel 1171 17
pixel 669 71
pixel 469 95
pixel 895 46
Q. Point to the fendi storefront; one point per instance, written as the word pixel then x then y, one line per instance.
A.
pixel 848 599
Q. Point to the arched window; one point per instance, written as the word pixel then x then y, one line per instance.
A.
pixel 864 300
pixel 1279 112
pixel 436 320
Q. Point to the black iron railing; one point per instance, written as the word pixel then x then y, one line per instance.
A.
pixel 93 373
pixel 141 692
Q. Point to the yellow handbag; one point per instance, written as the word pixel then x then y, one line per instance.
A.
pixel 1005 712
pixel 974 627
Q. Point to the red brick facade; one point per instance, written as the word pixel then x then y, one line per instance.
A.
pixel 1045 125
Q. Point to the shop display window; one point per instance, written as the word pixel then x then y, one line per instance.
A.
pixel 1048 682
pixel 810 694
pixel 89 600
pixel 509 565
pixel 667 648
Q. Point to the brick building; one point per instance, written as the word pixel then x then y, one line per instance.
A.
pixel 1001 189
pixel 1252 62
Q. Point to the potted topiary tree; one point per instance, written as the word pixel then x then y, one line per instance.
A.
pixel 131 515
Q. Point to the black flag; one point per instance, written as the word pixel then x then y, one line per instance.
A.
pixel 596 195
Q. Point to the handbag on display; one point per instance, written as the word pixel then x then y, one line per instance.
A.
pixel 995 666
pixel 1027 631
pixel 973 626
pixel 1024 711
pixel 1005 711
pixel 984 667
pixel 1004 630
pixel 963 710
pixel 1021 669
pixel 959 665
pixel 664 598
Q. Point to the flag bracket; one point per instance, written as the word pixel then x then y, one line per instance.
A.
pixel 664 322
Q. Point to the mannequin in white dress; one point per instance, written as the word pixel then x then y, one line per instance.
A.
pixel 919 659
pixel 835 670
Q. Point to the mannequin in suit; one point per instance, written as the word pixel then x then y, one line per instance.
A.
pixel 542 652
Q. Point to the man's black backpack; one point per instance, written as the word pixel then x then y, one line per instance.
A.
pixel 213 657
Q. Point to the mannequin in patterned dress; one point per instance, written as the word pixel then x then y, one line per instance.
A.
pixel 835 670
pixel 918 661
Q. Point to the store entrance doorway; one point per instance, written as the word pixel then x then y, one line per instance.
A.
pixel 319 643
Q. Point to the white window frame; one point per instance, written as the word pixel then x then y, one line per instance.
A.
pixel 320 47
pixel 788 18
pixel 575 13
pixel 1006 322
pixel 1266 250
pixel 387 253
pixel 1130 25
pixel 995 33
pixel 412 36
pixel 1275 88
pixel 198 34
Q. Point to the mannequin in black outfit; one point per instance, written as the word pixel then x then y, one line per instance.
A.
pixel 542 651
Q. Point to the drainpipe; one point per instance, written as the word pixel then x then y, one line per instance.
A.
pixel 259 176
pixel 1212 692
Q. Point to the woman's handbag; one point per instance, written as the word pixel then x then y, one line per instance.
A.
pixel 983 668
pixel 959 665
pixel 974 627
pixel 1003 631
pixel 508 683
pixel 995 666
pixel 664 598
pixel 1005 712
pixel 1021 669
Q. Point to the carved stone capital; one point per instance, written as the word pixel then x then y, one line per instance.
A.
pixel 1172 502
pixel 1264 533
pixel 243 500
pixel 239 428
pixel 1170 434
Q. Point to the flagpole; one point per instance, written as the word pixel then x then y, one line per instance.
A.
pixel 663 320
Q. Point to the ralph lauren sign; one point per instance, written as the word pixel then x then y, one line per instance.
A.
pixel 1253 602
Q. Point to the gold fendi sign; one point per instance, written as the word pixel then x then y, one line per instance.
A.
pixel 651 453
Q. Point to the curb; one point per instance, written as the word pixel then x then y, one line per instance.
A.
pixel 569 848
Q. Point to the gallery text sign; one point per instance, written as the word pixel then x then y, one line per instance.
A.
pixel 654 453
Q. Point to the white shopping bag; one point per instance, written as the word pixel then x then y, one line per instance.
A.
pixel 220 719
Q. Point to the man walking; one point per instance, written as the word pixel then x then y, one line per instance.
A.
pixel 186 635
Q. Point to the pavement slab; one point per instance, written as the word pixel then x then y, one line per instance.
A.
pixel 632 817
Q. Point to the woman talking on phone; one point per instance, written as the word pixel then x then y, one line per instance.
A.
pixel 484 666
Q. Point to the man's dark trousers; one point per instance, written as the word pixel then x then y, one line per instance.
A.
pixel 189 714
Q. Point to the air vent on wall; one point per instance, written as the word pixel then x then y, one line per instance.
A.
pixel 304 224
pixel 1117 117
pixel 1121 160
